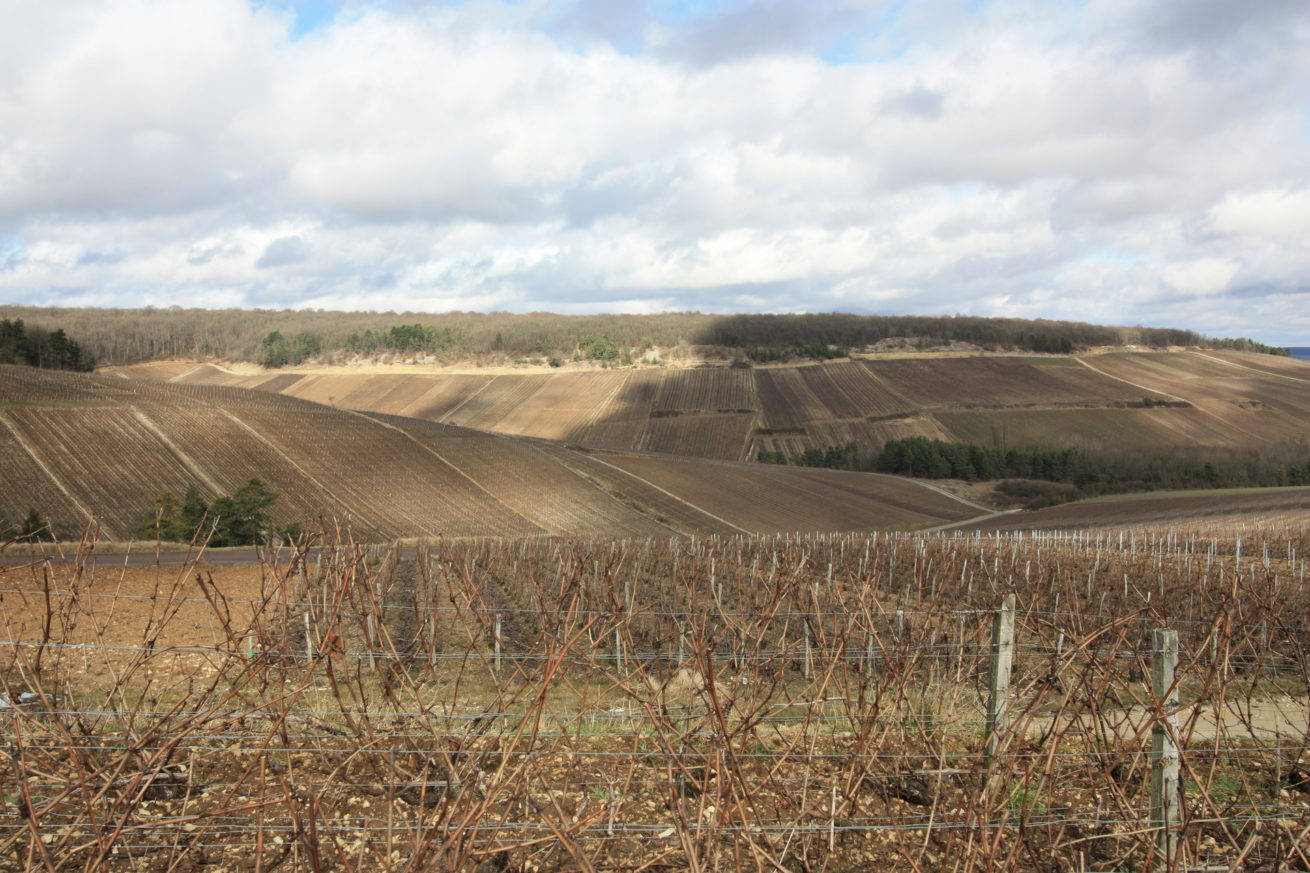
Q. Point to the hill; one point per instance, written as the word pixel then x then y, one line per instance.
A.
pixel 279 337
pixel 1119 400
pixel 1161 511
pixel 81 447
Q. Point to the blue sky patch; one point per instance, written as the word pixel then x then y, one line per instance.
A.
pixel 310 15
pixel 13 252
pixel 1115 257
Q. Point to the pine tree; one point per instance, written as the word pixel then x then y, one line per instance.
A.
pixel 34 527
pixel 240 519
pixel 191 515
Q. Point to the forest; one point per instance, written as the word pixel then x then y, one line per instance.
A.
pixel 41 347
pixel 280 337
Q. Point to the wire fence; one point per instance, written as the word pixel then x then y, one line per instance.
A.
pixel 775 703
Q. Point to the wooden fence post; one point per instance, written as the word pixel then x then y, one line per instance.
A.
pixel 999 682
pixel 1164 753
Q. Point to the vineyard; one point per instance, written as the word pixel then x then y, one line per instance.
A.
pixel 1090 701
pixel 80 448
pixel 1138 400
pixel 1180 509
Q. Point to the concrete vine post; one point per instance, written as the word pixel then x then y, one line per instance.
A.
pixel 1164 752
pixel 998 698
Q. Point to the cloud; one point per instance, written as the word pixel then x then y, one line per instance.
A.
pixel 632 156
pixel 282 252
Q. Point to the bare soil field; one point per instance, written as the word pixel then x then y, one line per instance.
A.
pixel 769 502
pixel 1265 408
pixel 997 382
pixel 1161 508
pixel 1273 364
pixel 1084 428
pixel 103 448
pixel 724 437
pixel 1212 399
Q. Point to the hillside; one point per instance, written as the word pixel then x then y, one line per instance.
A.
pixel 80 447
pixel 1235 508
pixel 277 337
pixel 1115 400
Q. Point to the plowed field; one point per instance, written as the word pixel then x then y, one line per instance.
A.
pixel 997 382
pixel 700 436
pixel 1216 399
pixel 1161 509
pixel 769 502
pixel 79 448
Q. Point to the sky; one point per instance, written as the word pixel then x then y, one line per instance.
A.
pixel 1110 161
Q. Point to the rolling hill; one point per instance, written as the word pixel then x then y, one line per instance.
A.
pixel 81 447
pixel 1163 510
pixel 1118 400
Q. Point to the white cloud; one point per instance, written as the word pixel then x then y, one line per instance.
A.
pixel 1272 216
pixel 589 156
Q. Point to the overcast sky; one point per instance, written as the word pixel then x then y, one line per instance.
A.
pixel 1111 161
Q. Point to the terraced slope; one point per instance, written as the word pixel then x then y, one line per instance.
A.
pixel 1117 400
pixel 100 447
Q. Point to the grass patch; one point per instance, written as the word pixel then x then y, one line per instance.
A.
pixel 1050 361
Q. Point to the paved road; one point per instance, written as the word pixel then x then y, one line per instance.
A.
pixel 148 559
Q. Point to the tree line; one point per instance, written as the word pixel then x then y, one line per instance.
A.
pixel 32 529
pixel 39 347
pixel 279 337
pixel 1085 472
pixel 237 519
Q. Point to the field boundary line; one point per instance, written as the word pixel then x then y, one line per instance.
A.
pixel 940 490
pixel 434 453
pixel 177 378
pixel 1251 369
pixel 975 520
pixel 42 464
pixel 889 388
pixel 445 419
pixel 177 450
pixel 672 495
pixel 604 404
pixel 1137 385
pixel 1192 404
pixel 275 447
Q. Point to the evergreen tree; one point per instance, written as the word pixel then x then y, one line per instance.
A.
pixel 273 350
pixel 13 342
pixel 306 346
pixel 34 527
pixel 161 523
pixel 240 518
pixel 191 515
